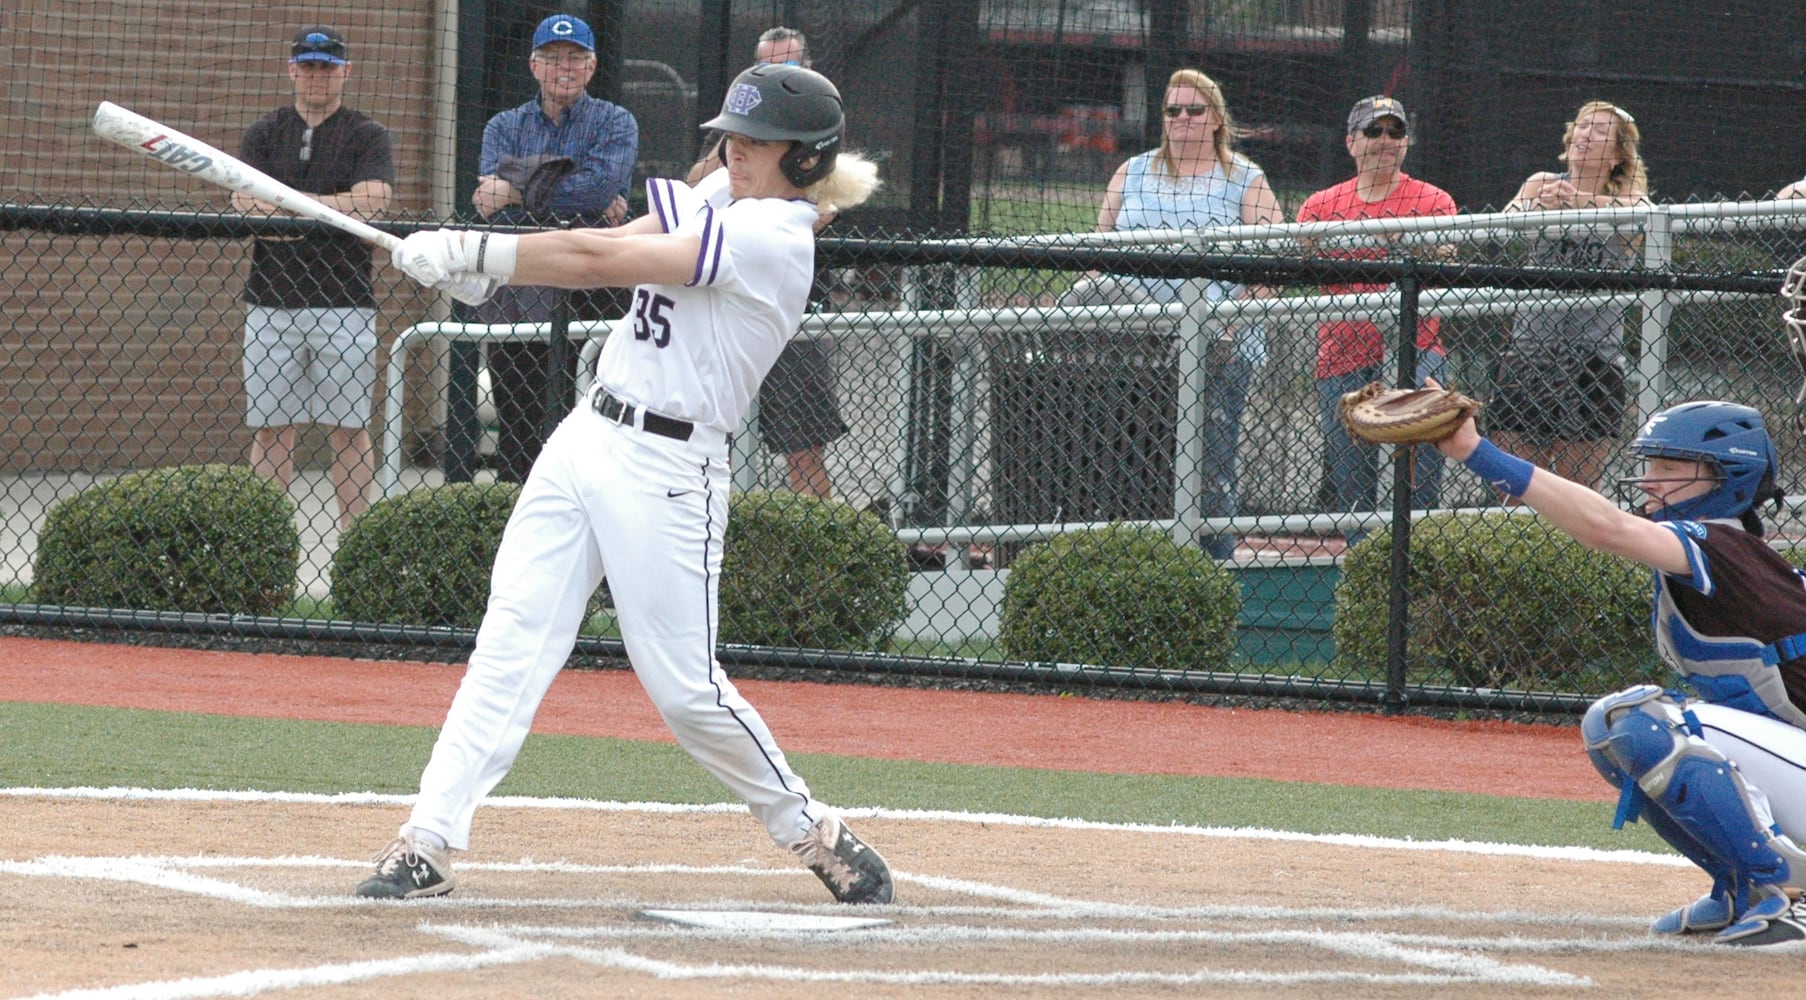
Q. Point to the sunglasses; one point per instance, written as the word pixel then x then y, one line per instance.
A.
pixel 1376 130
pixel 307 145
pixel 1192 110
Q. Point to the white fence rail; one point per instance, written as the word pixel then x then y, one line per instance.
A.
pixel 891 336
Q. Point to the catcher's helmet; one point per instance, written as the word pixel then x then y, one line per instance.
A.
pixel 776 101
pixel 1727 437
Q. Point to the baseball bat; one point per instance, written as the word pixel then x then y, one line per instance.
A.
pixel 179 151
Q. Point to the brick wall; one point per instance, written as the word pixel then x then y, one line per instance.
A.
pixel 124 352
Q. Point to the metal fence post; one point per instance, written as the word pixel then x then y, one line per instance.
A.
pixel 1658 312
pixel 1398 595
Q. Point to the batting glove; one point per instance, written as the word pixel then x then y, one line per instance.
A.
pixel 471 289
pixel 433 257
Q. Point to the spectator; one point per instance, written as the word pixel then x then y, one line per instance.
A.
pixel 1795 190
pixel 563 156
pixel 1350 352
pixel 1195 179
pixel 798 414
pixel 310 309
pixel 1560 395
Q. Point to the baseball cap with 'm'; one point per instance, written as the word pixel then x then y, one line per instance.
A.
pixel 318 44
pixel 564 28
pixel 1368 110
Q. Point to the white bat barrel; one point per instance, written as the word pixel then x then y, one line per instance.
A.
pixel 180 151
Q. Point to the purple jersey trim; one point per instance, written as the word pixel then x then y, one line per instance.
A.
pixel 660 191
pixel 708 256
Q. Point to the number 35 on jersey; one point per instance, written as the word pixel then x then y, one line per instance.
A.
pixel 650 319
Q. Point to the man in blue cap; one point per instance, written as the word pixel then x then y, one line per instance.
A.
pixel 563 156
pixel 310 309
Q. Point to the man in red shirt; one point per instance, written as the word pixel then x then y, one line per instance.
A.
pixel 1349 352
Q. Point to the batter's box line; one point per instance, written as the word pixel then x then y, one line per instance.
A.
pixel 173 874
pixel 1451 968
pixel 905 933
pixel 1582 854
pixel 1043 904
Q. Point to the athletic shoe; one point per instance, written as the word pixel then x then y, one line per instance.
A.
pixel 1775 920
pixel 853 872
pixel 1707 913
pixel 409 869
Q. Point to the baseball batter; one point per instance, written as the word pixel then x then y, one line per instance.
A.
pixel 633 485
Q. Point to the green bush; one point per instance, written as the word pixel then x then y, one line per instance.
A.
pixel 812 573
pixel 210 538
pixel 1121 596
pixel 1500 601
pixel 422 558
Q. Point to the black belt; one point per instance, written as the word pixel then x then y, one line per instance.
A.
pixel 616 412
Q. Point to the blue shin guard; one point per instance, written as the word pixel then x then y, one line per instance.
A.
pixel 1694 798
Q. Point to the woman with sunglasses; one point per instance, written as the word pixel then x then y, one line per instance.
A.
pixel 1196 180
pixel 1560 394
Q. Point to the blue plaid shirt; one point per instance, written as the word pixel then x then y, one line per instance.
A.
pixel 602 138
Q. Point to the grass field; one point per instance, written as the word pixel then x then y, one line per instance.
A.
pixel 53 746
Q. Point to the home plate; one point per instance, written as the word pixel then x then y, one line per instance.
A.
pixel 757 921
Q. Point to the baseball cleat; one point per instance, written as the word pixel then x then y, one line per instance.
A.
pixel 1774 920
pixel 1707 913
pixel 852 871
pixel 408 869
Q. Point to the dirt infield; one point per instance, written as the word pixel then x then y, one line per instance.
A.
pixel 191 894
pixel 159 896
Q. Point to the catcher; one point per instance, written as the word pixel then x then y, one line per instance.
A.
pixel 1719 774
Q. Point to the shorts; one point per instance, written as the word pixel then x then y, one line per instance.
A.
pixel 1578 398
pixel 309 366
pixel 797 410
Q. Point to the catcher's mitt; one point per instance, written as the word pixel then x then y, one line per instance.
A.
pixel 1379 415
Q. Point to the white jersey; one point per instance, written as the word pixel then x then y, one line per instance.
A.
pixel 699 350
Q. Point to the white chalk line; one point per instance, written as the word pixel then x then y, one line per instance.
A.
pixel 1434 960
pixel 172 873
pixel 1582 854
pixel 254 981
pixel 1453 968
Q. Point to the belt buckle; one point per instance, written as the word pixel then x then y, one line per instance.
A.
pixel 623 412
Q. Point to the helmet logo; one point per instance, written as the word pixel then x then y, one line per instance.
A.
pixel 742 99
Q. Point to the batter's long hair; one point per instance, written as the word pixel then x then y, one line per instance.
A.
pixel 1629 177
pixel 1213 96
pixel 853 180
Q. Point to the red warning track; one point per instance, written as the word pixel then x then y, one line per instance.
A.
pixel 956 727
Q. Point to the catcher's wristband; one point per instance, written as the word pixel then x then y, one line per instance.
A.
pixel 1507 473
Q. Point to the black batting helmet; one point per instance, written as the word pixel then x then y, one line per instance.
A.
pixel 776 102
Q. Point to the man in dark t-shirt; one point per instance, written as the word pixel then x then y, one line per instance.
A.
pixel 310 312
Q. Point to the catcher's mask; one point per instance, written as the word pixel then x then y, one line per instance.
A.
pixel 777 101
pixel 1730 441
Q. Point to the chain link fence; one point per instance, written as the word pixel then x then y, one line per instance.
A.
pixel 1095 458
